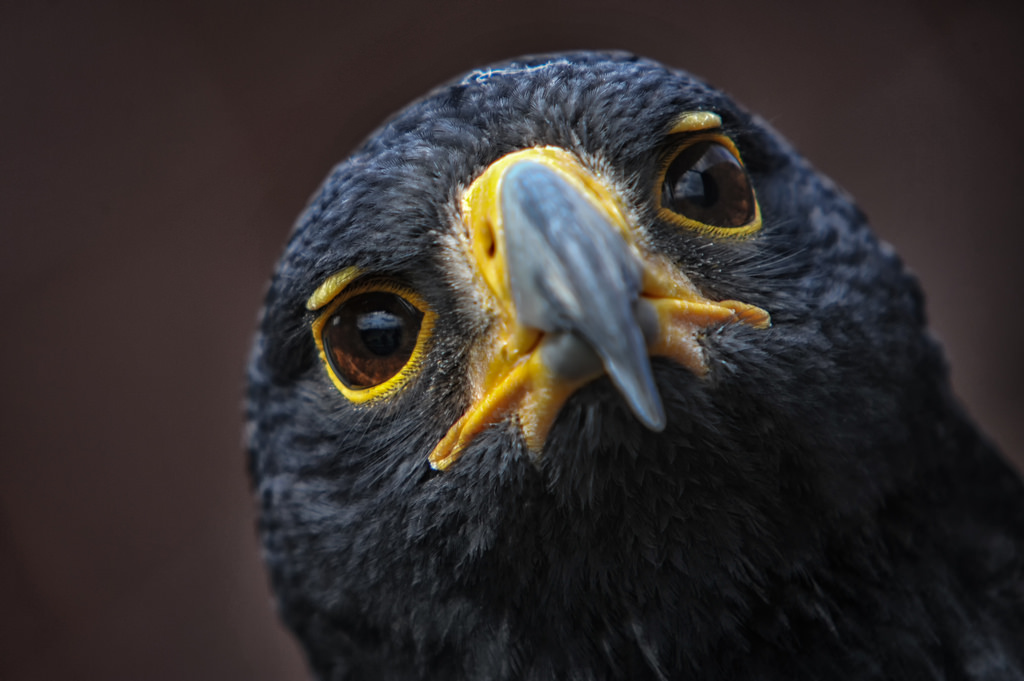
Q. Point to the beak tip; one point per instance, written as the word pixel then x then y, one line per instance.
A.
pixel 653 418
pixel 635 382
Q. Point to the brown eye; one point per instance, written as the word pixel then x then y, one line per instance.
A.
pixel 707 183
pixel 370 337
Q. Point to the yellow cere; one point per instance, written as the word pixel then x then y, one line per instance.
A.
pixel 688 223
pixel 337 285
pixel 481 208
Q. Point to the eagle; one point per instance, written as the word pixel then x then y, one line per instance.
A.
pixel 575 369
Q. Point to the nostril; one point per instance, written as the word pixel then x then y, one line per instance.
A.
pixel 487 241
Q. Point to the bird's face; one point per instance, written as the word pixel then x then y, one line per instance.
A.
pixel 571 330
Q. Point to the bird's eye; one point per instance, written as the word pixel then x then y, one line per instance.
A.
pixel 369 336
pixel 705 186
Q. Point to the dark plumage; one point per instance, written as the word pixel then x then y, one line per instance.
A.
pixel 818 505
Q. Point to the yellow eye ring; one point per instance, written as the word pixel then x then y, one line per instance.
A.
pixel 348 334
pixel 724 148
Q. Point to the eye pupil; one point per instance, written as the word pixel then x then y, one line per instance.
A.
pixel 697 188
pixel 706 183
pixel 381 332
pixel 370 337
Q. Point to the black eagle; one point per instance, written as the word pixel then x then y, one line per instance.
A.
pixel 576 370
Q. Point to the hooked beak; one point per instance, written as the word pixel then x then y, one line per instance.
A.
pixel 575 297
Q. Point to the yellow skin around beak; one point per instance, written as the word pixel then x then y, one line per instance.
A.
pixel 512 377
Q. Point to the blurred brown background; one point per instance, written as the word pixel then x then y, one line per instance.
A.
pixel 153 157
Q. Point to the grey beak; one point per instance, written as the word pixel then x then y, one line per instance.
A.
pixel 573 276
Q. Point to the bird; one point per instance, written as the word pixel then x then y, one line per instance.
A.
pixel 576 369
